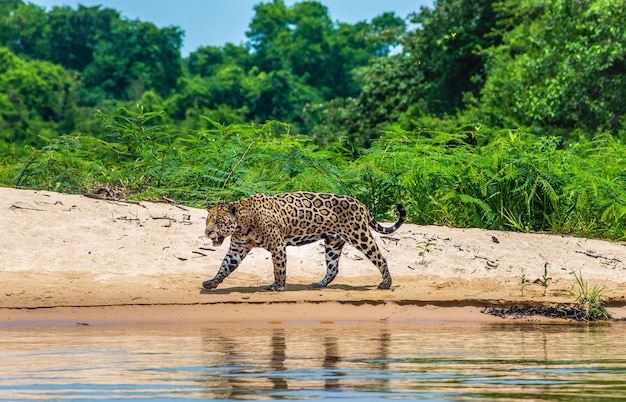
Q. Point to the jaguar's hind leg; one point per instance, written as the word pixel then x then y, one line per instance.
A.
pixel 367 245
pixel 334 245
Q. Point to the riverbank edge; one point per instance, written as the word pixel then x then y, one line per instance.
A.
pixel 266 313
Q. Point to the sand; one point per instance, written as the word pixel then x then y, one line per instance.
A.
pixel 71 258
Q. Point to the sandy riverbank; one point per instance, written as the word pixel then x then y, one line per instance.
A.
pixel 74 258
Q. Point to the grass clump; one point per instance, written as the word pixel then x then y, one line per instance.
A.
pixel 591 300
pixel 588 306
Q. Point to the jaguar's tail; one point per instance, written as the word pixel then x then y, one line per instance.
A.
pixel 386 230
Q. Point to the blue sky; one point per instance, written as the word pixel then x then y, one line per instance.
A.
pixel 216 22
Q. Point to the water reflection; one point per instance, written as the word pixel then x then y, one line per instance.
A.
pixel 295 357
pixel 417 360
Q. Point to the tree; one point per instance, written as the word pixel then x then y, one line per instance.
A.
pixel 561 64
pixel 139 56
pixel 75 34
pixel 269 32
pixel 205 61
pixel 24 29
pixel 38 98
pixel 309 52
pixel 441 63
pixel 281 96
pixel 448 50
pixel 303 40
pixel 117 58
pixel 385 32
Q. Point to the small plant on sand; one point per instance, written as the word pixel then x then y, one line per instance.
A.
pixel 544 278
pixel 522 280
pixel 591 299
pixel 424 246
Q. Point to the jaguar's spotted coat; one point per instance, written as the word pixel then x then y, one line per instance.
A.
pixel 293 219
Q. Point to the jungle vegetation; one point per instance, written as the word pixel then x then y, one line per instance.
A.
pixel 503 114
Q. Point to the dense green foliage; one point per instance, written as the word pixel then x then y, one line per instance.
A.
pixel 509 180
pixel 94 58
pixel 562 65
pixel 556 67
pixel 381 110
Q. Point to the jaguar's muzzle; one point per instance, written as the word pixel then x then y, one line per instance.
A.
pixel 215 238
pixel 217 241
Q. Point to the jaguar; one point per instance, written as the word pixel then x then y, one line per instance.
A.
pixel 293 219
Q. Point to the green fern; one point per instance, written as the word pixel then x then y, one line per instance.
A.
pixel 474 176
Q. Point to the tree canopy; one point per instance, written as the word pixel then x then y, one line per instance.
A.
pixel 561 64
pixel 553 66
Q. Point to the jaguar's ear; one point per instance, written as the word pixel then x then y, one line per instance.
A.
pixel 232 209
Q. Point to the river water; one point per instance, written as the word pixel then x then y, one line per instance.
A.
pixel 420 360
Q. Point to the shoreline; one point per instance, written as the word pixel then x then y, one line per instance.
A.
pixel 242 313
pixel 331 312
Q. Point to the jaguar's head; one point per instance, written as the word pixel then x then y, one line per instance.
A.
pixel 220 222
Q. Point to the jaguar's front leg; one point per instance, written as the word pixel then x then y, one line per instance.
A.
pixel 236 253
